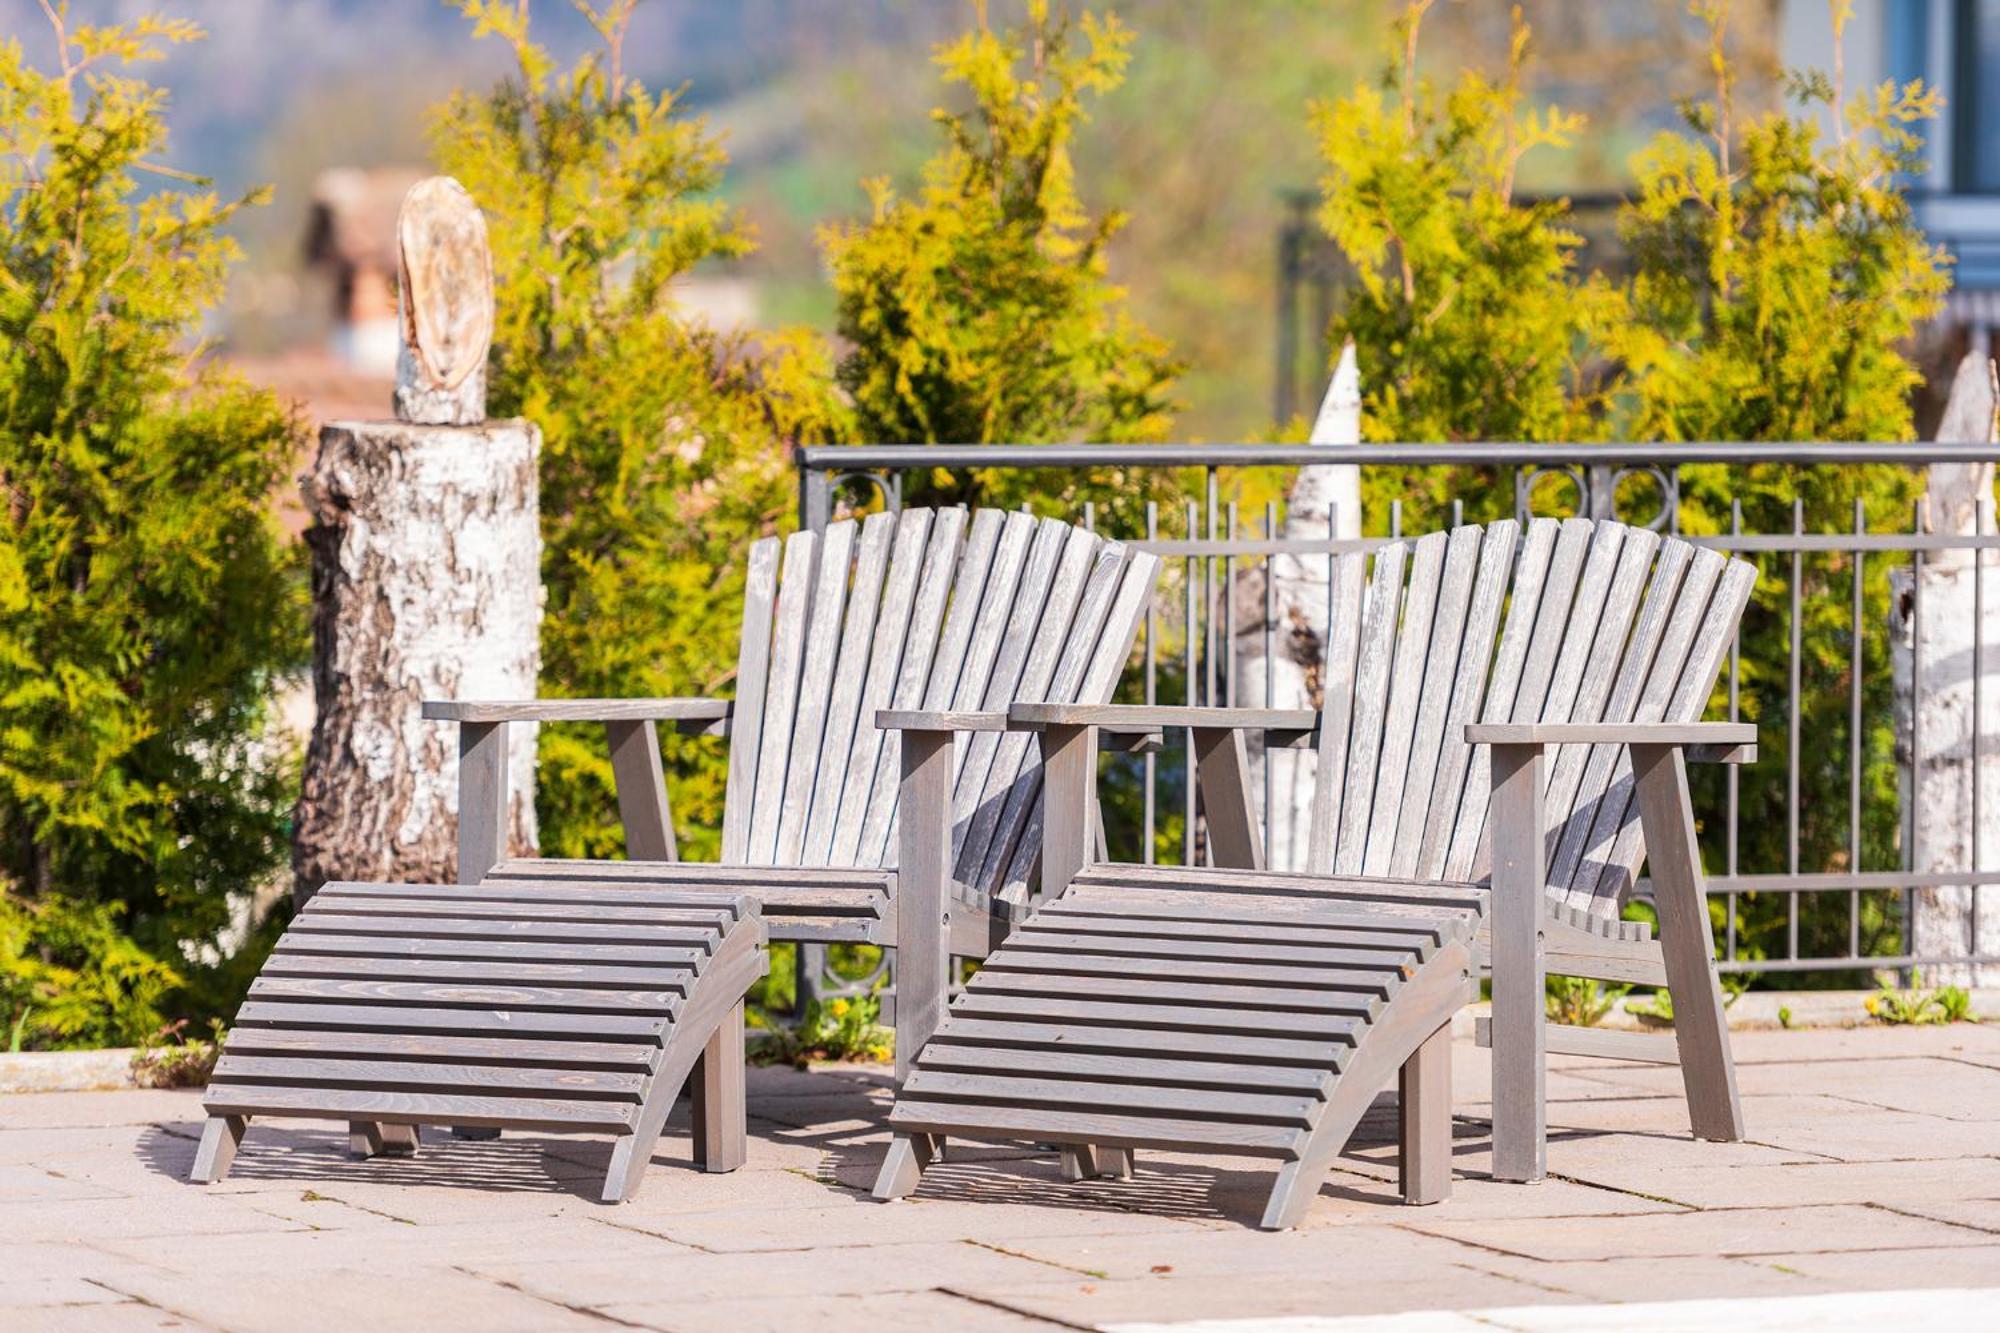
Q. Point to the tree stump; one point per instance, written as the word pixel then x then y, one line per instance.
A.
pixel 426 552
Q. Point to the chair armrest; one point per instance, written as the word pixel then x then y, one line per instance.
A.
pixel 709 716
pixel 1713 742
pixel 1153 717
pixel 941 719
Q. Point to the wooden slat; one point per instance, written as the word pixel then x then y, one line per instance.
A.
pixel 1076 572
pixel 1293 1109
pixel 1348 573
pixel 660 998
pixel 1688 701
pixel 1594 766
pixel 1197 1018
pixel 461 1022
pixel 1530 575
pixel 1406 684
pixel 1420 935
pixel 1044 1124
pixel 760 590
pixel 1600 672
pixel 1315 1056
pixel 974 759
pixel 1448 647
pixel 980 686
pixel 822 649
pixel 287 964
pixel 519 912
pixel 796 583
pixel 696 880
pixel 500 929
pixel 1018 759
pixel 1601 1043
pixel 499 951
pixel 1224 892
pixel 1613 801
pixel 1482 625
pixel 1025 958
pixel 843 718
pixel 525 1079
pixel 885 661
pixel 946 1056
pixel 1100 681
pixel 927 614
pixel 638 1057
pixel 406 1107
pixel 1352 994
pixel 1356 948
pixel 1371 698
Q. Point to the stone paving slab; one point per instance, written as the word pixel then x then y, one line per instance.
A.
pixel 1874 1161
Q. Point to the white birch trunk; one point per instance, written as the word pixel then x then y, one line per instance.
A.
pixel 1325 498
pixel 427 550
pixel 1937 656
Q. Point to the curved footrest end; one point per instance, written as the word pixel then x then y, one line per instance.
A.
pixel 508 1005
pixel 1119 1017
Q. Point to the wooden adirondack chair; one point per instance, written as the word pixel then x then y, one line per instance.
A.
pixel 926 609
pixel 1504 734
pixel 610 984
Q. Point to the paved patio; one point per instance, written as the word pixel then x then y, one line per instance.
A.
pixel 1874 1164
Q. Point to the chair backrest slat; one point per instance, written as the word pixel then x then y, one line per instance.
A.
pixel 1105 664
pixel 1346 590
pixel 1406 684
pixel 1019 758
pixel 1381 611
pixel 892 628
pixel 927 617
pixel 1489 596
pixel 843 716
pixel 1441 670
pixel 753 656
pixel 816 678
pixel 1051 631
pixel 781 692
pixel 1601 669
pixel 1530 575
pixel 1572 622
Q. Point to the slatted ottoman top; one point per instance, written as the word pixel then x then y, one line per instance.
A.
pixel 518 1004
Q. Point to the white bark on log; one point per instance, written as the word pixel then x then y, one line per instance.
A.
pixel 1936 657
pixel 1325 497
pixel 426 549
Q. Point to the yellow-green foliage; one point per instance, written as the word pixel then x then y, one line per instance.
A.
pixel 147 604
pixel 1469 319
pixel 664 443
pixel 1779 273
pixel 979 310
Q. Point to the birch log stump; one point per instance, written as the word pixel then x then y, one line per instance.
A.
pixel 1326 498
pixel 1937 656
pixel 426 579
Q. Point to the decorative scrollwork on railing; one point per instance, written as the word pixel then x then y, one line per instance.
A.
pixel 1597 488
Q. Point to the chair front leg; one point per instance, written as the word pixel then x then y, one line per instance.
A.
pixel 1680 895
pixel 923 892
pixel 1520 1140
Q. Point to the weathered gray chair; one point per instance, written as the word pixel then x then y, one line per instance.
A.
pixel 582 995
pixel 1504 733
pixel 926 609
